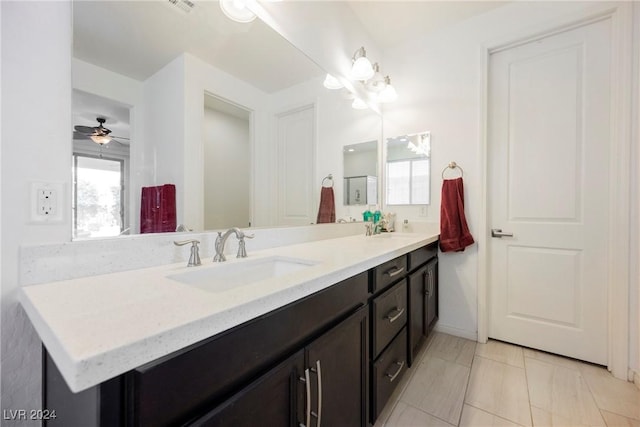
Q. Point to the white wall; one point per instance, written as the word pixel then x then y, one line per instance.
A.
pixel 36 146
pixel 227 175
pixel 438 78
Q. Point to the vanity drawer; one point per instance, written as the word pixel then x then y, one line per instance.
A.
pixel 422 255
pixel 389 315
pixel 388 370
pixel 387 273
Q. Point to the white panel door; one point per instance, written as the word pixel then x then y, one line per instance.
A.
pixel 296 159
pixel 548 172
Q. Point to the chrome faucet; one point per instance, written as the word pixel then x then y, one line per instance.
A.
pixel 222 239
pixel 194 258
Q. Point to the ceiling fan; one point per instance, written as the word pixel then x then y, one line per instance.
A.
pixel 98 134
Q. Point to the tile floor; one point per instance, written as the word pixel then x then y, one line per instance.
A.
pixel 457 382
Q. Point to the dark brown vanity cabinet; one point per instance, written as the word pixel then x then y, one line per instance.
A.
pixel 423 302
pixel 215 381
pixel 325 384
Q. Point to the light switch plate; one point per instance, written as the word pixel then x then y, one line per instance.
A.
pixel 47 202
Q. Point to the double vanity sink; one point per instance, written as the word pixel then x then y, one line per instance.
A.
pixel 103 329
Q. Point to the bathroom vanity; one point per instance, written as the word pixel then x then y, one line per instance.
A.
pixel 331 357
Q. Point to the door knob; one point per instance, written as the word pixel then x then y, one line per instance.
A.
pixel 497 232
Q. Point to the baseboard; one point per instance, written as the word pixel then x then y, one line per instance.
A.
pixel 636 377
pixel 457 332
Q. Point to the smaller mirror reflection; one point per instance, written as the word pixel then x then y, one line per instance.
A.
pixel 361 173
pixel 408 169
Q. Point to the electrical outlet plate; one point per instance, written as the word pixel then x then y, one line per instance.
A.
pixel 47 202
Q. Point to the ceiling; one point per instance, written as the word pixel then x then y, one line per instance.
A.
pixel 138 38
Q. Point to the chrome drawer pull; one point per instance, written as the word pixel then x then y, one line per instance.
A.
pixel 308 384
pixel 392 272
pixel 395 375
pixel 394 318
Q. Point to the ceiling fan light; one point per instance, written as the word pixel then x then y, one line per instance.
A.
pixel 388 94
pixel 361 68
pixel 331 82
pixel 100 139
pixel 237 10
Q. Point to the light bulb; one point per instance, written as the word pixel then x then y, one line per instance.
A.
pixel 389 93
pixel 359 104
pixel 361 68
pixel 331 82
pixel 237 10
pixel 100 139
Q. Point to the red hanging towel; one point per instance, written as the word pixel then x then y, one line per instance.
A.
pixel 327 210
pixel 454 232
pixel 158 209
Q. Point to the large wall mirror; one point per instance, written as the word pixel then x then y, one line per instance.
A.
pixel 408 169
pixel 175 93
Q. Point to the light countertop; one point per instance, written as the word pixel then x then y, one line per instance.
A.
pixel 98 327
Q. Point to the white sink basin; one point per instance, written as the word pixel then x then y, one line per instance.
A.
pixel 392 236
pixel 221 277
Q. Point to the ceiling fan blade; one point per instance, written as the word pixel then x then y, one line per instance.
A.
pixel 80 135
pixel 87 130
pixel 119 137
pixel 124 142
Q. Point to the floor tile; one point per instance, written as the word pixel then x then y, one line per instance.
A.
pixel 501 352
pixel 437 387
pixel 562 393
pixel 453 349
pixel 551 358
pixel 614 395
pixel 615 420
pixel 474 417
pixel 404 415
pixel 499 389
pixel 542 418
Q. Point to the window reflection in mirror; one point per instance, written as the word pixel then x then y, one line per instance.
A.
pixel 100 173
pixel 408 169
pixel 360 173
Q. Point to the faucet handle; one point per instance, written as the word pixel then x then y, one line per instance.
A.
pixel 194 257
pixel 248 236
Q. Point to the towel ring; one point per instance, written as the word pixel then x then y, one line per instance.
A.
pixel 328 177
pixel 452 165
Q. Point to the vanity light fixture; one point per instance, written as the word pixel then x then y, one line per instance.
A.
pixel 361 69
pixel 331 82
pixel 388 94
pixel 237 10
pixel 100 139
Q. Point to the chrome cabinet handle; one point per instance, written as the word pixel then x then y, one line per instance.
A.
pixel 391 318
pixel 497 232
pixel 392 272
pixel 308 387
pixel 319 393
pixel 425 279
pixel 393 376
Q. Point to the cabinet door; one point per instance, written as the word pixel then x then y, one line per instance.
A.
pixel 271 400
pixel 338 365
pixel 431 295
pixel 417 301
